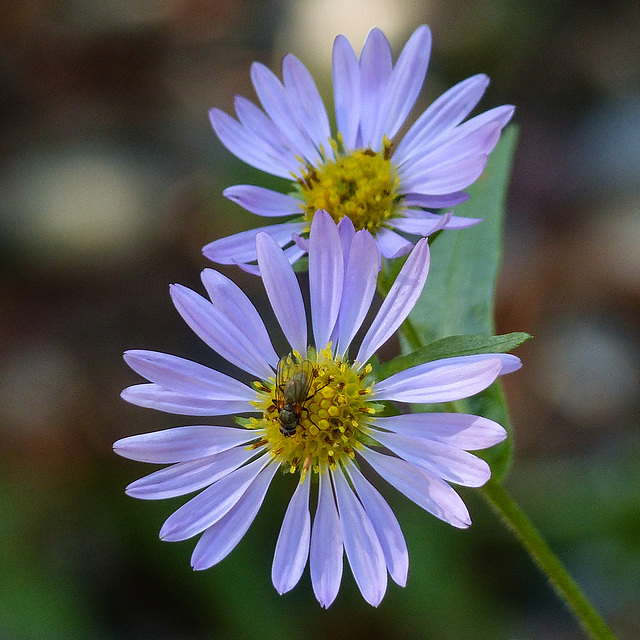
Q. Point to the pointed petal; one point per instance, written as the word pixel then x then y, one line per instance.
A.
pixel 261 201
pixel 447 111
pixel 241 247
pixel 434 202
pixel 376 64
pixel 425 489
pixel 185 376
pixel 446 178
pixel 385 524
pixel 185 477
pixel 248 146
pixel 212 504
pixel 305 101
pixel 222 332
pixel 360 281
pixel 283 291
pixel 221 538
pixel 347 232
pixel 292 548
pixel 447 462
pixel 423 226
pixel 260 124
pixel 453 222
pixel 405 83
pixel 326 276
pixel 361 543
pixel 182 443
pixel 231 300
pixel 460 430
pixel 346 90
pixel 399 301
pixel 153 396
pixel 392 244
pixel 325 557
pixel 273 98
pixel 450 149
pixel 447 379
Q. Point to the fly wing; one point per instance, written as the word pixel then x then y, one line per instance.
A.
pixel 301 381
pixel 282 375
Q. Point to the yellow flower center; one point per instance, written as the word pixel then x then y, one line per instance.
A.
pixel 314 413
pixel 361 184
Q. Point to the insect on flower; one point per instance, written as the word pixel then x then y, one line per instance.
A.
pixel 293 381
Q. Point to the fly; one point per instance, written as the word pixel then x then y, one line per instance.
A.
pixel 293 381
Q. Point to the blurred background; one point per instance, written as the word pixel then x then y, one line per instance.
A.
pixel 110 184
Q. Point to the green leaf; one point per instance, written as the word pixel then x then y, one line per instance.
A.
pixel 450 347
pixel 458 298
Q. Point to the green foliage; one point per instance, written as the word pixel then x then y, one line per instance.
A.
pixel 458 297
pixel 450 347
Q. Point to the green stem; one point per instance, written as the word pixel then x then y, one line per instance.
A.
pixel 565 586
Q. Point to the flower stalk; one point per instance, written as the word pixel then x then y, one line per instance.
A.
pixel 520 525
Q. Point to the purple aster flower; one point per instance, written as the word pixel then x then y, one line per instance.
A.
pixel 315 413
pixel 384 182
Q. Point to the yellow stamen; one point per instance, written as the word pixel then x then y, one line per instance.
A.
pixel 331 416
pixel 360 184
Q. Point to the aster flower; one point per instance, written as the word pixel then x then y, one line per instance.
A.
pixel 384 182
pixel 314 412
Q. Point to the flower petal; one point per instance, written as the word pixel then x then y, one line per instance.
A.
pixel 233 302
pixel 221 538
pixel 273 98
pixel 392 244
pixel 185 376
pixel 182 443
pixel 185 477
pixel 212 504
pixel 447 111
pixel 241 247
pixel 292 548
pixel 376 65
pixel 453 222
pixel 433 202
pixel 446 178
pixel 446 379
pixel 425 489
pixel 399 301
pixel 248 146
pixel 283 291
pixel 326 276
pixel 385 524
pixel 460 430
pixel 325 557
pixel 450 149
pixel 153 396
pixel 361 543
pixel 261 201
pixel 260 124
pixel 447 462
pixel 360 281
pixel 223 333
pixel 305 101
pixel 346 90
pixel 405 83
pixel 422 226
pixel 347 232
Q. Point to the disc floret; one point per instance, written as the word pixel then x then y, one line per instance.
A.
pixel 332 418
pixel 361 184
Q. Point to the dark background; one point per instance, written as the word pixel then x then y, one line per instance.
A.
pixel 110 184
